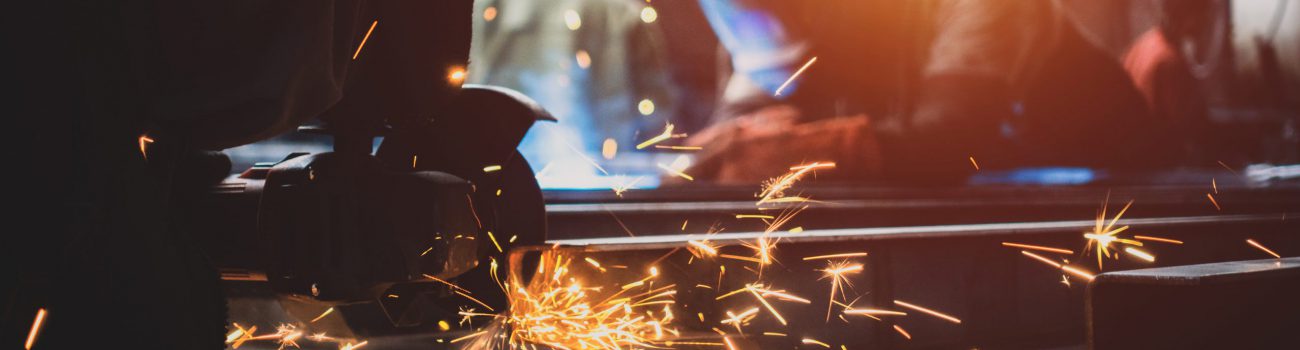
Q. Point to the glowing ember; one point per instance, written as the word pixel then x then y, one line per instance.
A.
pixel 835 271
pixel 36 328
pixel 1263 248
pixel 941 315
pixel 795 75
pixel 834 256
pixel 775 188
pixel 1036 247
pixel 144 145
pixel 667 134
pixel 1103 235
pixel 322 315
pixel 555 309
pixel 1157 239
pixel 365 38
pixel 1140 254
pixel 815 342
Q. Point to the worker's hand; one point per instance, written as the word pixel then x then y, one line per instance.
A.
pixel 767 143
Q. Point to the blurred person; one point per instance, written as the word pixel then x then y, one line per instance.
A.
pixel 1161 72
pixel 590 63
pixel 925 85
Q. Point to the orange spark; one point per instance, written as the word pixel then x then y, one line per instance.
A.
pixel 903 332
pixel 1212 201
pixel 676 172
pixel 835 272
pixel 1037 247
pixel 363 39
pixel 1157 239
pixel 1261 247
pixel 815 342
pixel 973 163
pixel 1140 254
pixel 322 315
pixel 144 144
pixel 834 256
pixel 795 75
pixel 770 309
pixel 667 134
pixel 928 311
pixel 874 312
pixel 36 327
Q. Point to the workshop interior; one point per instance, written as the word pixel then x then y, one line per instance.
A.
pixel 652 174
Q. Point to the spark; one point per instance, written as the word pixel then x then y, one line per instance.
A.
pixel 903 332
pixel 754 216
pixel 363 39
pixel 1140 254
pixel 928 311
pixel 322 315
pixel 558 311
pixel 595 263
pixel 491 168
pixel 775 334
pixel 1102 235
pixel 144 144
pixel 456 75
pixel 775 188
pixel 1157 239
pixel 1212 201
pixel 443 325
pixel 680 148
pixel 449 284
pixel 1261 247
pixel 1037 247
pixel 624 186
pixel 494 242
pixel 770 309
pixel 795 75
pixel 730 346
pixel 704 247
pixel 471 335
pixel 41 314
pixel 480 303
pixel 1070 269
pixel 973 163
pixel 1215 185
pixel 740 319
pixel 833 256
pixel 676 172
pixel 667 134
pixel 814 342
pixel 1225 166
pixel 835 271
pixel 490 13
pixel 874 312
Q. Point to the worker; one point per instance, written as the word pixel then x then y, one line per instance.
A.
pixel 915 91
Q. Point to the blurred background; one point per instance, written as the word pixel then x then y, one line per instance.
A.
pixel 1063 93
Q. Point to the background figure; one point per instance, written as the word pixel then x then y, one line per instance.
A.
pixel 942 81
pixel 591 63
pixel 1161 72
